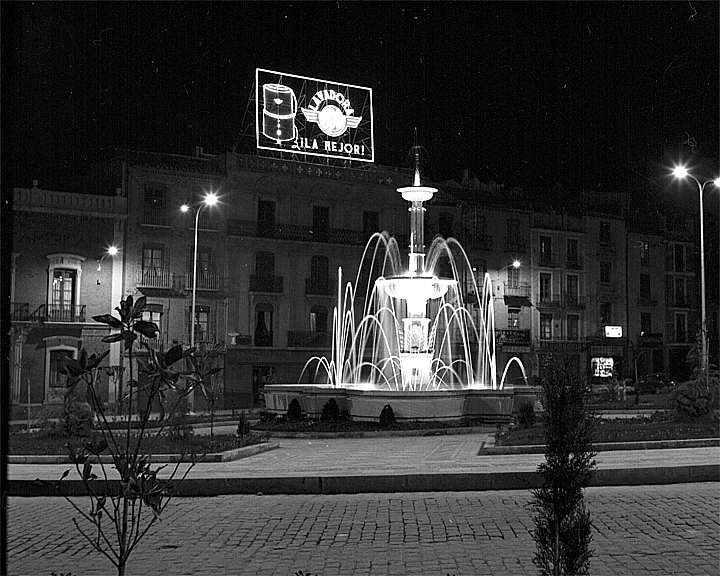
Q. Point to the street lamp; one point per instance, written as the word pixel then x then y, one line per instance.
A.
pixel 681 173
pixel 111 251
pixel 209 200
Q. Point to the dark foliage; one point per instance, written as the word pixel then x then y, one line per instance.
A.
pixel 294 411
pixel 526 414
pixel 562 524
pixel 387 417
pixel 330 411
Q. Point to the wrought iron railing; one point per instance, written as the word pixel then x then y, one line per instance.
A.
pixel 65 313
pixel 320 286
pixel 513 337
pixel 156 277
pixel 19 311
pixel 308 339
pixel 261 283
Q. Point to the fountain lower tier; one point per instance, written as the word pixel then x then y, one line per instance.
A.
pixel 479 405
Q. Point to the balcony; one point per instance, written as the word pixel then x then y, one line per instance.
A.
pixel 647 301
pixel 61 313
pixel 210 281
pixel 513 337
pixel 159 343
pixel 262 283
pixel 553 301
pixel 514 244
pixel 158 277
pixel 576 264
pixel 317 286
pixel 517 290
pixel 606 290
pixel 477 242
pixel 308 339
pixel 262 229
pixel 650 340
pixel 547 262
pixel 606 251
pixel 19 311
pixel 573 301
pixel 154 216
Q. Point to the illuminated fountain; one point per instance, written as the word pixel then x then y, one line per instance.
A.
pixel 415 345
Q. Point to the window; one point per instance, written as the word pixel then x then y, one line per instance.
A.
pixel 513 318
pixel 445 224
pixel 545 251
pixel 645 323
pixel 605 235
pixel 513 277
pixel 371 222
pixel 573 258
pixel 57 375
pixel 546 321
pixel 573 327
pixel 154 209
pixel 265 264
pixel 476 225
pixel 545 287
pixel 605 271
pixel 605 313
pixel 202 323
pixel 513 228
pixel 573 287
pixel 318 319
pixel 63 294
pixel 266 218
pixel 479 266
pixel 680 327
pixel 321 223
pixel 264 324
pixel 644 253
pixel 645 286
pixel 153 313
pixel 680 292
pixel 153 257
pixel 318 283
pixel 679 258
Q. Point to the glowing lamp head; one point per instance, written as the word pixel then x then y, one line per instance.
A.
pixel 680 172
pixel 112 250
pixel 184 208
pixel 211 199
pixel 516 264
pixel 717 182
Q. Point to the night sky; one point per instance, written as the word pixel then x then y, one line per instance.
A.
pixel 585 94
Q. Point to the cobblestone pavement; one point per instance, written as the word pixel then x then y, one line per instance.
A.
pixel 639 530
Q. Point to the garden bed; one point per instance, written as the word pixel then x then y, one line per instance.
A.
pixel 659 426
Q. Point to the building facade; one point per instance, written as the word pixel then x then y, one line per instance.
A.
pixel 274 255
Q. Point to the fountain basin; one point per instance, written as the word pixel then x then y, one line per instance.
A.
pixel 485 406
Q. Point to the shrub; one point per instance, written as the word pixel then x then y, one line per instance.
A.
pixel 243 426
pixel 77 418
pixel 698 397
pixel 294 411
pixel 49 424
pixel 179 427
pixel 526 414
pixel 330 412
pixel 266 416
pixel 387 417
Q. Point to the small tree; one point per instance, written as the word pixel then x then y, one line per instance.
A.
pixel 209 386
pixel 563 525
pixel 120 516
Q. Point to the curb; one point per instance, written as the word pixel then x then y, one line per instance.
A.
pixel 228 456
pixel 489 449
pixel 405 483
pixel 382 433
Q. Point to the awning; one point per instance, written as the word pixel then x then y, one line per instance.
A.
pixel 517 301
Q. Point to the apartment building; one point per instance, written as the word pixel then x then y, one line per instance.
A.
pixel 275 253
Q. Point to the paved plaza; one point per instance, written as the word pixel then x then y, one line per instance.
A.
pixel 639 530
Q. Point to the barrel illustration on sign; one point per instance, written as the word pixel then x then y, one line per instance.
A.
pixel 306 116
pixel 279 110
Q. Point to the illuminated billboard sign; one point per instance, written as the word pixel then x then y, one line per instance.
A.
pixel 602 367
pixel 301 115
pixel 613 331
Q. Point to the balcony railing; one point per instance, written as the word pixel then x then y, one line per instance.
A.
pixel 477 242
pixel 262 229
pixel 308 339
pixel 204 281
pixel 319 286
pixel 547 262
pixel 158 277
pixel 553 301
pixel 606 289
pixel 513 337
pixel 514 244
pixel 517 290
pixel 260 283
pixel 65 313
pixel 576 264
pixel 570 300
pixel 607 251
pixel 646 301
pixel 155 216
pixel 19 311
pixel 159 343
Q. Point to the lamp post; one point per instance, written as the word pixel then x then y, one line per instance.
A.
pixel 111 251
pixel 209 200
pixel 681 172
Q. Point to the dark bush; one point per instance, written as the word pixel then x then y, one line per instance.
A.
pixel 266 416
pixel 387 417
pixel 294 411
pixel 698 397
pixel 330 412
pixel 526 414
pixel 179 427
pixel 77 418
pixel 243 426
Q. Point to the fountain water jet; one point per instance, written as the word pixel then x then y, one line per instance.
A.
pixel 415 345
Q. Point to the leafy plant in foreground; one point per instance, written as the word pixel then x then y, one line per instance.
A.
pixel 126 503
pixel 563 527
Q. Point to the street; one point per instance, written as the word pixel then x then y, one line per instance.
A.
pixel 671 529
